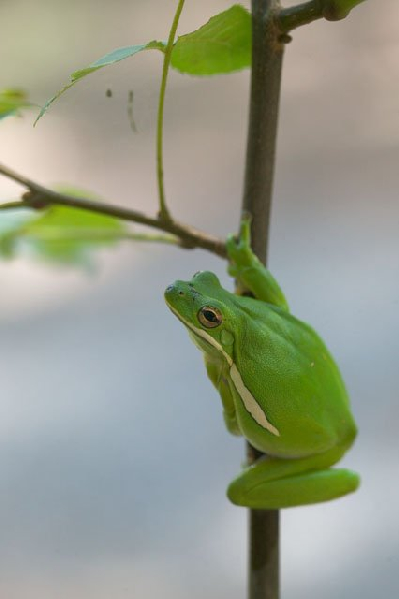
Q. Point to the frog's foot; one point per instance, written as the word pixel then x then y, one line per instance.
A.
pixel 273 483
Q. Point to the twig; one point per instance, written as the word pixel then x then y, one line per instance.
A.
pixel 163 210
pixel 302 14
pixel 267 54
pixel 76 234
pixel 39 197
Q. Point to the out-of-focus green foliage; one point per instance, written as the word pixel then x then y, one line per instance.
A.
pixel 59 234
pixel 12 101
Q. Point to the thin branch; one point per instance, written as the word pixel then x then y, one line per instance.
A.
pixel 12 205
pixel 152 237
pixel 39 197
pixel 54 234
pixel 303 14
pixel 164 212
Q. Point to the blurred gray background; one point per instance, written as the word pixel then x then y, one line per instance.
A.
pixel 114 459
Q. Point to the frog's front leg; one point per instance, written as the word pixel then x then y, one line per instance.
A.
pixel 215 372
pixel 274 483
pixel 249 271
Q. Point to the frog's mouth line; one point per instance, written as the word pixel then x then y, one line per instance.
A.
pixel 248 400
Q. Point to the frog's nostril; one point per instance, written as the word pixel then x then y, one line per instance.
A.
pixel 174 290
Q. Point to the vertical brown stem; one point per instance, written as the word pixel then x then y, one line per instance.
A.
pixel 264 550
pixel 267 53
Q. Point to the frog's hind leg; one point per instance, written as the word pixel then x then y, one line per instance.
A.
pixel 273 483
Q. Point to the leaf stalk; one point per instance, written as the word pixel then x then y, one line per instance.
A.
pixel 163 210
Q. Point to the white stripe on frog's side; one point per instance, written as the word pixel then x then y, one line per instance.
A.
pixel 250 403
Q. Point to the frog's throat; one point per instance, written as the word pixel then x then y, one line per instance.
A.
pixel 250 403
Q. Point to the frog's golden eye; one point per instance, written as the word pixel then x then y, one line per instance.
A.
pixel 210 317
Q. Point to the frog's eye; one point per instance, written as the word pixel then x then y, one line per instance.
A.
pixel 210 317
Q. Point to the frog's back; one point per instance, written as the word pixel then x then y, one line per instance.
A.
pixel 301 390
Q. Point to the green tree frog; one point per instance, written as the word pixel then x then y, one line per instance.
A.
pixel 279 385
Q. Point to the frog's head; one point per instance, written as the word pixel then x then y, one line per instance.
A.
pixel 206 309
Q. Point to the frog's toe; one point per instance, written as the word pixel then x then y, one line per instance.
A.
pixel 245 230
pixel 231 247
pixel 232 270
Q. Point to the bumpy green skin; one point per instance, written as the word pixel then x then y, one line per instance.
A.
pixel 260 355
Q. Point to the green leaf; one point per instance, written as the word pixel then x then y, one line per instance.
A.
pixel 110 58
pixel 222 45
pixel 60 234
pixel 11 102
pixel 66 235
pixel 116 56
